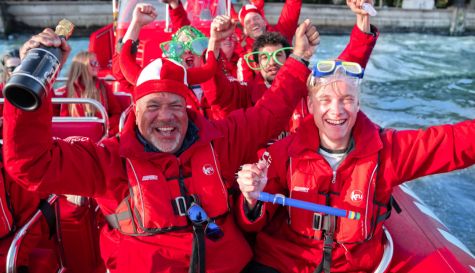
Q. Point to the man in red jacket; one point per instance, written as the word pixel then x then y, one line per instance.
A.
pixel 164 183
pixel 225 94
pixel 254 25
pixel 341 159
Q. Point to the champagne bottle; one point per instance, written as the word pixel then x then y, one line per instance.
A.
pixel 30 82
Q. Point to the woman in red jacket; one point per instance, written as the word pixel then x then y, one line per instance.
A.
pixel 83 83
pixel 10 61
pixel 339 158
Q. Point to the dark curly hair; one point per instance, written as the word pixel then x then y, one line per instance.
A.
pixel 270 38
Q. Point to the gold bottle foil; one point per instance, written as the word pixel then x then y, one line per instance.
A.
pixel 64 28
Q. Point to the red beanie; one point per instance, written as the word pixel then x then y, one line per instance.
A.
pixel 245 10
pixel 162 75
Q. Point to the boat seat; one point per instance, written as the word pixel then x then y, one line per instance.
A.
pixel 94 128
pixel 124 99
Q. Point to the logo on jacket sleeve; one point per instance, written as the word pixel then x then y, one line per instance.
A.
pixel 149 177
pixel 301 189
pixel 356 196
pixel 208 169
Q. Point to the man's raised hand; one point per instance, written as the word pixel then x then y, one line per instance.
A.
pixel 252 179
pixel 222 27
pixel 307 39
pixel 47 38
pixel 143 14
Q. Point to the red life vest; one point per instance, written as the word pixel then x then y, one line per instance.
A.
pixel 357 194
pixel 7 225
pixel 156 203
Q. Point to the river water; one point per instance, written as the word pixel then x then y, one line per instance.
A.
pixel 411 81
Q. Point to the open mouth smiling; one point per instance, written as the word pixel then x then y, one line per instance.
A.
pixel 336 122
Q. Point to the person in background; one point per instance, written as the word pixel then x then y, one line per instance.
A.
pixel 186 47
pixel 254 25
pixel 10 61
pixel 228 57
pixel 83 83
pixel 339 158
pixel 270 51
pixel 167 157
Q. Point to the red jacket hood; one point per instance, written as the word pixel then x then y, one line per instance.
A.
pixel 365 134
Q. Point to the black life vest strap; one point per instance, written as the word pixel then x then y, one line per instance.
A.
pixel 329 223
pixel 48 212
pixel 328 227
pixel 197 259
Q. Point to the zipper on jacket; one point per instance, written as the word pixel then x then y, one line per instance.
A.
pixel 334 177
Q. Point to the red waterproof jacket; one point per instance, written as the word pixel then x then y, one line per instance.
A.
pixel 81 167
pixel 404 155
pixel 225 94
pixel 19 204
pixel 179 19
pixel 287 25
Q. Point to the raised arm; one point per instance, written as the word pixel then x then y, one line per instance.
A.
pixel 437 149
pixel 178 14
pixel 289 19
pixel 220 91
pixel 143 14
pixel 363 36
pixel 251 129
pixel 37 161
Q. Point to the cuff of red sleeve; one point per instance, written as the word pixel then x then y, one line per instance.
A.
pixel 360 35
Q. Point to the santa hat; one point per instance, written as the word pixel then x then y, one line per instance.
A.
pixel 245 10
pixel 164 75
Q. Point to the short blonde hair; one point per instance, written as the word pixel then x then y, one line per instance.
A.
pixel 315 84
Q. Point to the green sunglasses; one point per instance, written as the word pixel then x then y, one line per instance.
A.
pixel 174 49
pixel 257 60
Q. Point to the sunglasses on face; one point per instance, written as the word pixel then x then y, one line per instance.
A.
pixel 198 216
pixel 174 49
pixel 94 63
pixel 10 69
pixel 257 60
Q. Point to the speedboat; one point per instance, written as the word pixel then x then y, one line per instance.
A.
pixel 416 240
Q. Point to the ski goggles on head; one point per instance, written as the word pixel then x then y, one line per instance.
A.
pixel 174 49
pixel 198 216
pixel 326 68
pixel 257 60
pixel 328 71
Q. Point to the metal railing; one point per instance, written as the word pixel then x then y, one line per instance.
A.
pixel 388 253
pixel 14 249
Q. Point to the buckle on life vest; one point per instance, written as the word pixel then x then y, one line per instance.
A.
pixel 179 205
pixel 324 222
pixel 317 221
